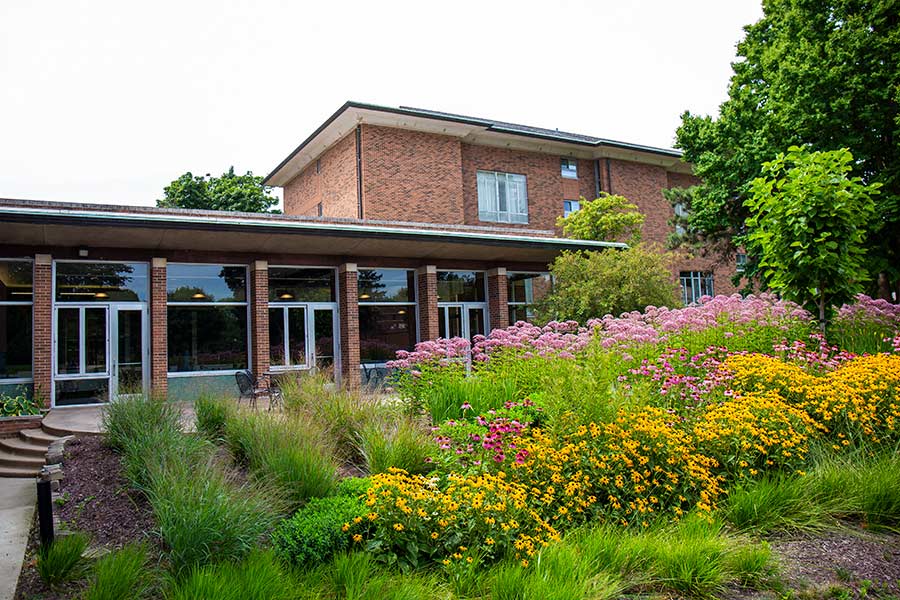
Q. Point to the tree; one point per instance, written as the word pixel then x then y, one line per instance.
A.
pixel 609 217
pixel 593 284
pixel 243 193
pixel 810 220
pixel 823 74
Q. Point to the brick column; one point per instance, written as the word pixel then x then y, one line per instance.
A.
pixel 159 330
pixel 348 308
pixel 259 316
pixel 427 300
pixel 498 309
pixel 42 328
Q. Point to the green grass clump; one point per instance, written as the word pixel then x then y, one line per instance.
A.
pixel 129 420
pixel 314 534
pixel 212 414
pixel 859 486
pixel 775 504
pixel 121 575
pixel 444 402
pixel 62 560
pixel 204 517
pixel 402 444
pixel 259 577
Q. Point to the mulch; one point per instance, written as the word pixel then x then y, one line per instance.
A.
pixel 97 500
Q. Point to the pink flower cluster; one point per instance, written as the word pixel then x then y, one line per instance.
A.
pixel 684 378
pixel 816 360
pixel 490 440
pixel 561 339
pixel 442 351
pixel 869 310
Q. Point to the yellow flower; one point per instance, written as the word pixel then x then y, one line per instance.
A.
pixel 345 527
pixel 357 538
pixel 399 526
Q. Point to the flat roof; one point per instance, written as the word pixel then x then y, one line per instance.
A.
pixel 474 129
pixel 39 223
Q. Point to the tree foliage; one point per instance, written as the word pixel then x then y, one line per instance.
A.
pixel 593 284
pixel 607 218
pixel 823 74
pixel 810 221
pixel 242 193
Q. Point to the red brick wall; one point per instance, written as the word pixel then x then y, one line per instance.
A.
pixel 42 331
pixel 259 316
pixel 10 426
pixel 498 309
pixel 411 176
pixel 334 185
pixel 348 307
pixel 426 297
pixel 159 318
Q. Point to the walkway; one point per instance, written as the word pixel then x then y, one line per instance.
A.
pixel 88 420
pixel 17 500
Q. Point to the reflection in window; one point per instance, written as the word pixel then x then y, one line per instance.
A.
pixel 287 336
pixel 523 291
pixel 15 319
pixel 101 282
pixel 384 329
pixel 206 283
pixel 296 284
pixel 460 286
pixel 387 285
pixel 207 338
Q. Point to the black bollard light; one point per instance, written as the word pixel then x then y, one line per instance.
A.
pixel 45 512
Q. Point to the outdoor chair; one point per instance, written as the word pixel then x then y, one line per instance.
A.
pixel 251 388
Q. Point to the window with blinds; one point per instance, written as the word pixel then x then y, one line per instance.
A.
pixel 502 197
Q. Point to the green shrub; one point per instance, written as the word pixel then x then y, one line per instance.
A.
pixel 18 406
pixel 62 560
pixel 204 517
pixel 315 533
pixel 212 414
pixel 259 577
pixel 128 420
pixel 402 444
pixel 122 574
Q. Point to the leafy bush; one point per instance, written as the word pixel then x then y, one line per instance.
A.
pixel 212 413
pixel 122 574
pixel 258 577
pixel 18 406
pixel 318 530
pixel 402 444
pixel 204 517
pixel 62 559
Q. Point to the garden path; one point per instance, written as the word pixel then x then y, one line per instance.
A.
pixel 17 501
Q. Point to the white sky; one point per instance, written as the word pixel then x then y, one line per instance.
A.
pixel 105 101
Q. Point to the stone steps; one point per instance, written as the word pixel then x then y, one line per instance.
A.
pixel 22 447
pixel 25 454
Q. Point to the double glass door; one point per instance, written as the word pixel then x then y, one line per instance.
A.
pixel 462 319
pixel 301 336
pixel 101 352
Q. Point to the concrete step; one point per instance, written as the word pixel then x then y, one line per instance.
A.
pixel 58 431
pixel 18 472
pixel 37 436
pixel 21 447
pixel 17 460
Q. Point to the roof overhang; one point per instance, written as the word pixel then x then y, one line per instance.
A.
pixel 34 225
pixel 469 130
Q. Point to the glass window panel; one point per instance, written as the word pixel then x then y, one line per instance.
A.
pixel 68 341
pixel 207 338
pixel 276 337
pixel 385 329
pixel 528 287
pixel 387 285
pixel 460 286
pixel 95 340
pixel 81 391
pixel 323 330
pixel 476 322
pixel 454 322
pixel 129 342
pixel 101 282
pixel 297 335
pixel 206 283
pixel 15 280
pixel 15 342
pixel 519 312
pixel 294 284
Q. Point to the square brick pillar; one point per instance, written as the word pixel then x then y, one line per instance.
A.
pixel 348 309
pixel 159 330
pixel 427 301
pixel 498 296
pixel 259 316
pixel 42 328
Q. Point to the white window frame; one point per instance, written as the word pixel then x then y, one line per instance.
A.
pixel 740 262
pixel 245 304
pixel 465 305
pixel 568 167
pixel 528 301
pixel 22 380
pixel 493 214
pixel 692 283
pixel 571 206
pixel 414 305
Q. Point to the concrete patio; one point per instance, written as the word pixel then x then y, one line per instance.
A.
pixel 88 420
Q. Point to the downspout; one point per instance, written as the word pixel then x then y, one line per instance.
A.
pixel 359 186
pixel 598 187
pixel 608 177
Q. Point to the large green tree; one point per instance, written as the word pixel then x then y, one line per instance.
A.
pixel 810 221
pixel 243 193
pixel 822 74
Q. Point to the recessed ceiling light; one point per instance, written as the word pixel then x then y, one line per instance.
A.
pixel 101 295
pixel 363 296
pixel 286 296
pixel 198 296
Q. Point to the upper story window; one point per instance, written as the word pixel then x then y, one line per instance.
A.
pixel 502 197
pixel 741 262
pixel 695 285
pixel 570 206
pixel 569 168
pixel 681 215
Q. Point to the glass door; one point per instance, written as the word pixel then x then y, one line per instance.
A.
pixel 129 349
pixel 465 320
pixel 82 355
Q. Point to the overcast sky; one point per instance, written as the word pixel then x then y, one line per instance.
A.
pixel 109 101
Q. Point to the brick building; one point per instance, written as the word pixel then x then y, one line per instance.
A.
pixel 400 225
